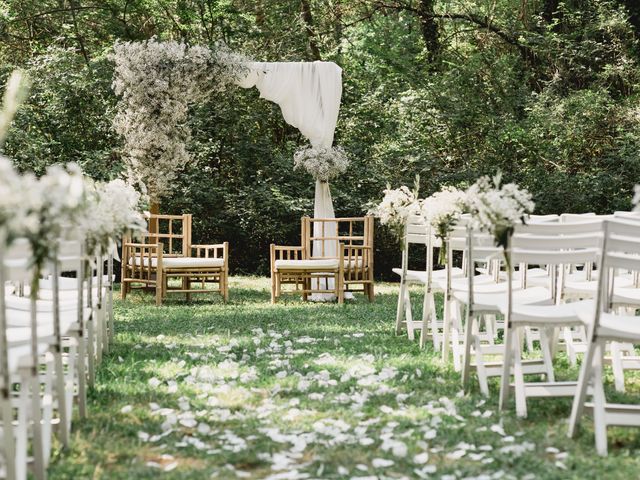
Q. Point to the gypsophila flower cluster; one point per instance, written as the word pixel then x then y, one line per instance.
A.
pixel 322 163
pixel 114 209
pixel 156 82
pixel 56 203
pixel 442 211
pixel 496 208
pixel 15 215
pixel 396 206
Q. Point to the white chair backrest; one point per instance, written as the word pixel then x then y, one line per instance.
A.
pixel 556 243
pixel 576 217
pixel 543 218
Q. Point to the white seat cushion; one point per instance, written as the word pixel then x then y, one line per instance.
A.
pixel 192 262
pixel 330 264
pixel 182 262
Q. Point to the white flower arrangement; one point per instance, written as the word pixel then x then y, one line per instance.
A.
pixel 114 209
pixel 55 203
pixel 442 211
pixel 156 82
pixel 496 209
pixel 15 215
pixel 322 163
pixel 396 206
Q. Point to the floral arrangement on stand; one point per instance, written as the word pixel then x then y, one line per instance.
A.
pixel 321 163
pixel 396 206
pixel 442 211
pixel 496 209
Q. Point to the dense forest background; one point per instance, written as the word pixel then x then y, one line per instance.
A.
pixel 545 90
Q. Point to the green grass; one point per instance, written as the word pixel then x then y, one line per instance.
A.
pixel 243 400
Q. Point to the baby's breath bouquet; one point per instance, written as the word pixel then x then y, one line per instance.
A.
pixel 442 210
pixel 496 209
pixel 322 163
pixel 395 207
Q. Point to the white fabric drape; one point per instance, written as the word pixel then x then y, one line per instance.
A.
pixel 309 95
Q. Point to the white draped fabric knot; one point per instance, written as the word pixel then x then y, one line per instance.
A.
pixel 309 95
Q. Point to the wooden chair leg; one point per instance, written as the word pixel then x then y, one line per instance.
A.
pixel 159 288
pixel 226 286
pixel 370 292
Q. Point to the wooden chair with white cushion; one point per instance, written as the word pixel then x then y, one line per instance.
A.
pixel 167 253
pixel 620 251
pixel 320 272
pixel 355 234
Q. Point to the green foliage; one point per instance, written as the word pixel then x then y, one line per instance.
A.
pixel 545 90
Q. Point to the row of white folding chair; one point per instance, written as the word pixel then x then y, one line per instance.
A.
pixel 606 323
pixel 59 330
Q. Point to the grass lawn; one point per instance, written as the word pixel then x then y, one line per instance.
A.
pixel 251 390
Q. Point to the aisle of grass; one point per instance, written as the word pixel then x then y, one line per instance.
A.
pixel 250 390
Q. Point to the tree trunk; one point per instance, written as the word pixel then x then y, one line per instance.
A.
pixel 307 17
pixel 154 209
pixel 429 28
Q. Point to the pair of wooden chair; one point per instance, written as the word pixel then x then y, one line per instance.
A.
pixel 167 253
pixel 335 256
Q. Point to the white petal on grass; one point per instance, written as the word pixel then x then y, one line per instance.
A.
pixel 421 458
pixel 381 463
pixel 126 409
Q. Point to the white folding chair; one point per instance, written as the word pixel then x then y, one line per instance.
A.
pixel 483 303
pixel 555 246
pixel 620 251
pixel 417 232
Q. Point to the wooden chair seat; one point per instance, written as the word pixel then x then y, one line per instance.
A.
pixel 181 262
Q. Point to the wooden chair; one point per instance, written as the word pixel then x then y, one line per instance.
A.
pixel 355 234
pixel 308 273
pixel 168 253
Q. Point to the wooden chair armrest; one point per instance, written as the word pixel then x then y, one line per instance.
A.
pixel 219 250
pixel 283 252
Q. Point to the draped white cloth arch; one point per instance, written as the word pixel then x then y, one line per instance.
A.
pixel 309 95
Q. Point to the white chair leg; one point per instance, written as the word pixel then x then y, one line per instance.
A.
pixel 408 315
pixel 446 330
pixel 545 346
pixel 400 307
pixel 599 403
pixel 616 365
pixel 62 399
pixel 456 340
pixel 91 352
pixel 436 335
pixel 483 379
pixel 36 419
pixel 466 354
pixel 82 375
pixel 568 340
pixel 518 378
pixel 8 441
pixel 586 373
pixel 426 317
pixel 505 381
